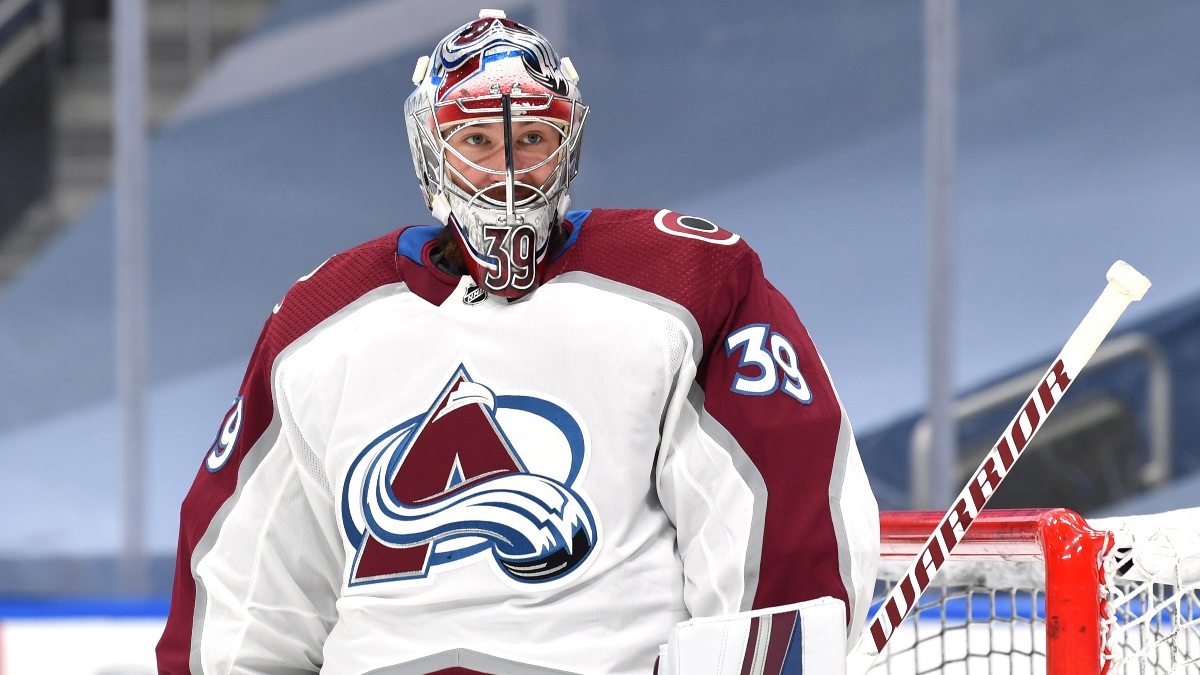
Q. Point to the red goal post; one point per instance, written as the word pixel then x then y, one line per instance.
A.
pixel 1044 591
pixel 1060 539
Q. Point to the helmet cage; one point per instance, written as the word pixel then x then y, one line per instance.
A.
pixel 495 70
pixel 538 206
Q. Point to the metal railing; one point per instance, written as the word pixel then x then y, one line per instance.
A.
pixel 1158 404
pixel 22 45
pixel 28 29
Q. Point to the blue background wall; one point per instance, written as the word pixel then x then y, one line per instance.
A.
pixel 796 125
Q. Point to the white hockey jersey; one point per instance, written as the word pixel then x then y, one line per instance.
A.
pixel 419 478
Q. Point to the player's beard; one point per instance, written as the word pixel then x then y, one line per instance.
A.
pixel 448 245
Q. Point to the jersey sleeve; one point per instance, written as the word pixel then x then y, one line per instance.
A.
pixel 259 549
pixel 257 570
pixel 759 469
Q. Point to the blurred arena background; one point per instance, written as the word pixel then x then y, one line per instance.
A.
pixel 277 139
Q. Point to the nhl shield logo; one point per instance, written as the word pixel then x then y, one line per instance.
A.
pixel 478 476
pixel 474 295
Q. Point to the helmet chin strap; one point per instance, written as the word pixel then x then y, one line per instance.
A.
pixel 509 172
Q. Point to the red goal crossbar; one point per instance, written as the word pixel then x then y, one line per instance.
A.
pixel 1073 554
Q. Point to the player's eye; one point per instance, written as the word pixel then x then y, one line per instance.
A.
pixel 532 138
pixel 475 139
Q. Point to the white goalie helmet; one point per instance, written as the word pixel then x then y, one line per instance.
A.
pixel 494 126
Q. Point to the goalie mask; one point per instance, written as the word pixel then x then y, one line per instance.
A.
pixel 494 127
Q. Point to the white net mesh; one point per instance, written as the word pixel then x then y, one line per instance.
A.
pixel 989 615
pixel 1153 592
pixel 977 617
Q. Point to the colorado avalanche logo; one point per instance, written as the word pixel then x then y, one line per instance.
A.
pixel 478 475
pixel 499 38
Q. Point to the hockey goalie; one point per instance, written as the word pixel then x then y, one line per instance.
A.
pixel 526 439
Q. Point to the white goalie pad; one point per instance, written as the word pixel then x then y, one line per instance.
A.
pixel 807 637
pixel 1163 548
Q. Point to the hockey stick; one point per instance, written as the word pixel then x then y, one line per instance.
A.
pixel 1125 285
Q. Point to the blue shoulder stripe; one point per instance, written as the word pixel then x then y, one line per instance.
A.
pixel 413 239
pixel 576 219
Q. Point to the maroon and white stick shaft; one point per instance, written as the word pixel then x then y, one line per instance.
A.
pixel 1125 285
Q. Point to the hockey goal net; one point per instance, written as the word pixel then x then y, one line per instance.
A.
pixel 1044 591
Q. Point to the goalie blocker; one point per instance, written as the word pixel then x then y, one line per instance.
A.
pixel 806 637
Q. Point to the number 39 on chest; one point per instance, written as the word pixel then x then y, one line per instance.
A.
pixel 775 359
